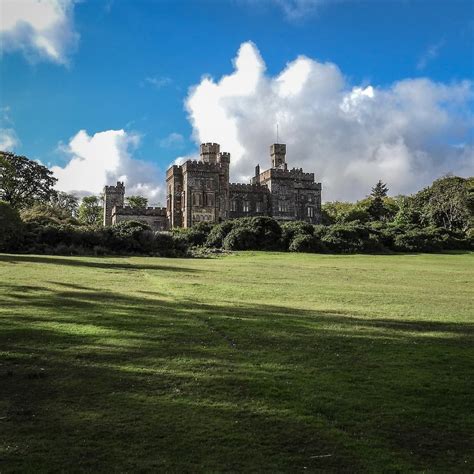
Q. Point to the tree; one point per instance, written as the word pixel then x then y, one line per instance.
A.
pixel 10 227
pixel 380 190
pixel 448 203
pixel 137 202
pixel 23 181
pixel 67 203
pixel 90 210
pixel 376 208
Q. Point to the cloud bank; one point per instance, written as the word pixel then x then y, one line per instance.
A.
pixel 40 29
pixel 406 134
pixel 104 158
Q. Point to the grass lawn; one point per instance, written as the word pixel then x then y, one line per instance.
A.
pixel 251 362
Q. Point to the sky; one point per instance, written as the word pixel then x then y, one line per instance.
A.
pixel 101 91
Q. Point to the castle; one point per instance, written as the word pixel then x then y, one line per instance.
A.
pixel 200 191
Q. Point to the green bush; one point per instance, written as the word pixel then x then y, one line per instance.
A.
pixel 307 243
pixel 11 228
pixel 241 238
pixel 289 230
pixel 218 234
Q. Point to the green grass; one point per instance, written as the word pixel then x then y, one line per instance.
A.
pixel 252 362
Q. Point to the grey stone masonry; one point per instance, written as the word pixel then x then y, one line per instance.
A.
pixel 200 191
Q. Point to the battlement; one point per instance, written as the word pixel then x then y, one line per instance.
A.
pixel 247 188
pixel 173 170
pixel 142 211
pixel 193 165
pixel 294 173
pixel 119 187
pixel 223 157
pixel 209 152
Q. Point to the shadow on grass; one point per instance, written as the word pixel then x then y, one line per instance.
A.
pixel 106 264
pixel 95 380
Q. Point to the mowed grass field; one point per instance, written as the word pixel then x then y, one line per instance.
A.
pixel 251 362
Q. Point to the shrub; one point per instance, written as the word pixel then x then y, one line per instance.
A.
pixel 241 238
pixel 418 240
pixel 289 230
pixel 218 234
pixel 350 238
pixel 196 235
pixel 11 227
pixel 267 232
pixel 307 243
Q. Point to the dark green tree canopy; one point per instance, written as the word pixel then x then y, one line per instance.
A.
pixel 24 182
pixel 380 190
pixel 137 202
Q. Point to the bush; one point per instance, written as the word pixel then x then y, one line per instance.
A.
pixel 418 240
pixel 350 238
pixel 289 230
pixel 11 227
pixel 218 234
pixel 241 238
pixel 196 235
pixel 307 243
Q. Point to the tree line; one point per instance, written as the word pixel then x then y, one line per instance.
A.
pixel 34 217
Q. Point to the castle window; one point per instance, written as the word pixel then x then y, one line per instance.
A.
pixel 233 205
pixel 258 207
pixel 246 206
pixel 283 206
pixel 310 212
pixel 197 199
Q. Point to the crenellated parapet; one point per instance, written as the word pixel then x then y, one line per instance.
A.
pixel 141 211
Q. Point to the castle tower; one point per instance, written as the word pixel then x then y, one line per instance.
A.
pixel 209 152
pixel 113 196
pixel 278 154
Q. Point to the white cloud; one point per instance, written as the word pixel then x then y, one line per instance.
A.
pixel 429 55
pixel 349 136
pixel 8 139
pixel 40 29
pixel 173 140
pixel 104 158
pixel 293 10
pixel 157 82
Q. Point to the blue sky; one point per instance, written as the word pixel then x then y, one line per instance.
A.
pixel 129 65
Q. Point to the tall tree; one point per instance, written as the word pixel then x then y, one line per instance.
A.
pixel 376 208
pixel 448 203
pixel 23 181
pixel 67 203
pixel 380 190
pixel 90 210
pixel 137 202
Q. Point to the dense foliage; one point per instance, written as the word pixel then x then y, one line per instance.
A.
pixel 24 182
pixel 438 218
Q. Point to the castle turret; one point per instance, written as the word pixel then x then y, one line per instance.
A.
pixel 257 174
pixel 278 155
pixel 113 197
pixel 209 152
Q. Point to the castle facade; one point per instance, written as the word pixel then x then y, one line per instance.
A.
pixel 200 191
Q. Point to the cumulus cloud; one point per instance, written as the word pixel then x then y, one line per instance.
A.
pixel 104 158
pixel 406 134
pixel 40 29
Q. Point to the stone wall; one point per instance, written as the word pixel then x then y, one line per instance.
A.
pixel 155 217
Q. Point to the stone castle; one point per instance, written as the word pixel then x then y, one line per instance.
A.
pixel 200 191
